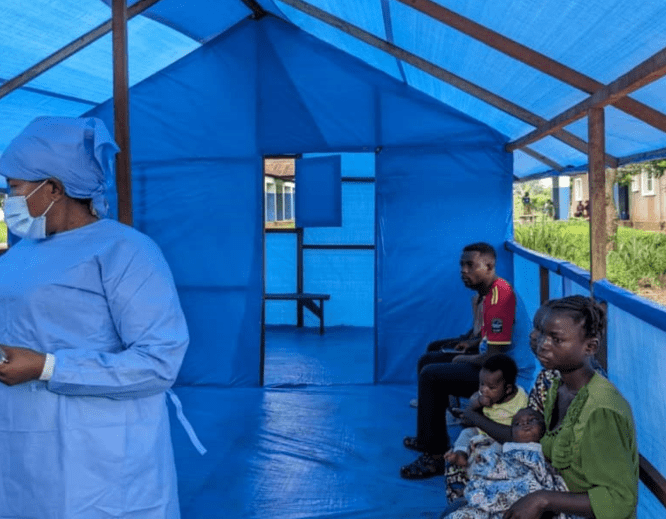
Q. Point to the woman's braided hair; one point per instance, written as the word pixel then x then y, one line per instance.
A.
pixel 585 310
pixel 541 312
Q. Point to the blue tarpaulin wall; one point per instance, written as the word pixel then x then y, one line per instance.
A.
pixel 424 221
pixel 199 130
pixel 636 362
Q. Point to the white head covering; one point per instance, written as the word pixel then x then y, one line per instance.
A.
pixel 77 151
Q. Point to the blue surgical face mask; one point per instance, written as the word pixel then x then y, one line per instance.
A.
pixel 19 220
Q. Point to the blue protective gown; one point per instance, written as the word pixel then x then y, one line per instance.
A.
pixel 94 441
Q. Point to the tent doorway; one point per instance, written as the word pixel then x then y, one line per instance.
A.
pixel 311 249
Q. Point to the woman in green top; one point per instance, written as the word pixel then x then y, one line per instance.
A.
pixel 590 435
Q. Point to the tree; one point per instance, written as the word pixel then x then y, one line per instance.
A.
pixel 625 174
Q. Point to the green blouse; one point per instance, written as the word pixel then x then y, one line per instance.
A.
pixel 594 447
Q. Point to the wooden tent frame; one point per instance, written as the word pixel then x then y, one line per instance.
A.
pixel 615 93
pixel 118 24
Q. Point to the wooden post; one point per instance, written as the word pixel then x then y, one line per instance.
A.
pixel 262 350
pixel 652 479
pixel 597 182
pixel 544 284
pixel 299 276
pixel 121 111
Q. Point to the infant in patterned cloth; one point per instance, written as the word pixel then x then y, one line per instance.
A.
pixel 500 474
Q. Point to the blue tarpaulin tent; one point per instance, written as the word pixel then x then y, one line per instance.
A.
pixel 195 137
pixel 419 115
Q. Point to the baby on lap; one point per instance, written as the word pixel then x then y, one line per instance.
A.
pixel 500 474
pixel 499 398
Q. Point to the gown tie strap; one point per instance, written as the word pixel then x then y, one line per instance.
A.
pixel 185 423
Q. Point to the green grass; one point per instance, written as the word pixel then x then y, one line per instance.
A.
pixel 639 258
pixel 3 232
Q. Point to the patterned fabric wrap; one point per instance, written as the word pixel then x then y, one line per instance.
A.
pixel 546 378
pixel 456 480
pixel 500 475
pixel 544 381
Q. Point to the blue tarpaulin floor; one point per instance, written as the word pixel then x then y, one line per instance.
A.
pixel 310 446
pixel 343 355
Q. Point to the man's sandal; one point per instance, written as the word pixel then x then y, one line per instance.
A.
pixel 425 466
pixel 413 443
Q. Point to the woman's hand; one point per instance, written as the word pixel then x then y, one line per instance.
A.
pixel 530 506
pixel 22 365
pixel 468 416
pixel 460 415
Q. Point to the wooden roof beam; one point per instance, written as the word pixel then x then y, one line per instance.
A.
pixel 436 71
pixel 258 12
pixel 69 49
pixel 542 158
pixel 658 153
pixel 535 59
pixel 650 70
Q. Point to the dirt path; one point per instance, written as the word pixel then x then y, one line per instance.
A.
pixel 657 295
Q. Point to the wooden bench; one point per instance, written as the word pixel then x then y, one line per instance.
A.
pixel 307 301
pixel 527 218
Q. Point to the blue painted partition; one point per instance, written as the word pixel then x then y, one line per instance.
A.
pixel 635 350
pixel 280 276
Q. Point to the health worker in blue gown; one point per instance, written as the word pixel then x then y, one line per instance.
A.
pixel 93 335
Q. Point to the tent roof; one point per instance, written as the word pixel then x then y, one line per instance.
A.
pixel 594 42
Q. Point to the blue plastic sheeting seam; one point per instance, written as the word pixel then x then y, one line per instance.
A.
pixel 540 259
pixel 643 309
pixel 566 171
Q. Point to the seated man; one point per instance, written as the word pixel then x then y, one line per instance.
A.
pixel 450 372
pixel 493 320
